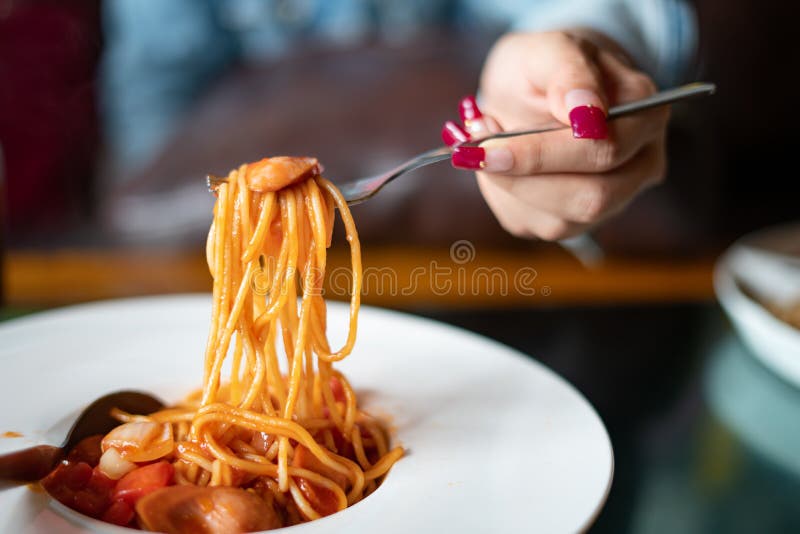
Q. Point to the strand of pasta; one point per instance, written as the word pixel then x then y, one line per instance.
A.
pixel 260 246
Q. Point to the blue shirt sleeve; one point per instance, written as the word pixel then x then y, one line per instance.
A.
pixel 660 35
pixel 161 54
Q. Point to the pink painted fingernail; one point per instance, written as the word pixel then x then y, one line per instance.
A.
pixel 469 157
pixel 453 134
pixel 494 159
pixel 471 115
pixel 588 122
pixel 468 109
pixel 586 115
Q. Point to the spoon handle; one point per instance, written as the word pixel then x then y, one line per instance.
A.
pixel 29 465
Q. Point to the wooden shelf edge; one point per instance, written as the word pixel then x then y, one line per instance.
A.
pixel 396 277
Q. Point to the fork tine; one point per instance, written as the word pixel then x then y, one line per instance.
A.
pixel 213 182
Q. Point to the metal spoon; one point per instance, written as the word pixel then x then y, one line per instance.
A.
pixel 34 463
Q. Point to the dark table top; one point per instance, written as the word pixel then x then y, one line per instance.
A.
pixel 706 439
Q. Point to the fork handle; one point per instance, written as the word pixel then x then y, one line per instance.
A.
pixel 662 98
pixel 684 92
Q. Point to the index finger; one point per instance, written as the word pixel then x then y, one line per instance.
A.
pixel 559 152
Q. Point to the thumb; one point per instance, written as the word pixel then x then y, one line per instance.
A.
pixel 575 96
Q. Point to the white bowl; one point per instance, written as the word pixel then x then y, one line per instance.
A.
pixel 496 442
pixel 767 262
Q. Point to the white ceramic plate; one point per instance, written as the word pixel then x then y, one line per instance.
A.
pixel 768 262
pixel 496 442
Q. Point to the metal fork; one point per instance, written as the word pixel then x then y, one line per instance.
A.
pixel 357 191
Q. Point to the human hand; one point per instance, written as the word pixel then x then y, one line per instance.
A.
pixel 557 184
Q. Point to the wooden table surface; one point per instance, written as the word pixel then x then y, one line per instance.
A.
pixel 396 277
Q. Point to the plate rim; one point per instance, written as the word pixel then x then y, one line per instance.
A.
pixel 737 305
pixel 196 297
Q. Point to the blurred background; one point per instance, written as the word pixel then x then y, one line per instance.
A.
pixel 112 114
pixel 102 195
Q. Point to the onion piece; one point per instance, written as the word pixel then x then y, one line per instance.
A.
pixel 141 441
pixel 114 466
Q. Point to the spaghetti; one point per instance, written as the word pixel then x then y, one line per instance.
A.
pixel 282 422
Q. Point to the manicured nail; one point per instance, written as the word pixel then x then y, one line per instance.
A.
pixel 588 122
pixel 469 157
pixel 494 159
pixel 586 115
pixel 468 109
pixel 453 134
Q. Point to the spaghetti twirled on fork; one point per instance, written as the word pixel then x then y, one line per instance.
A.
pixel 283 424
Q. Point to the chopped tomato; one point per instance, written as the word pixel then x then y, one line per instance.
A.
pixel 343 446
pixel 87 450
pixel 89 502
pixel 261 442
pixel 80 487
pixel 101 483
pixel 67 478
pixel 321 499
pixel 304 459
pixel 119 513
pixel 76 476
pixel 142 481
pixel 337 389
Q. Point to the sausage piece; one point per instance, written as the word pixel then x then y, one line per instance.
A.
pixel 198 510
pixel 272 174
